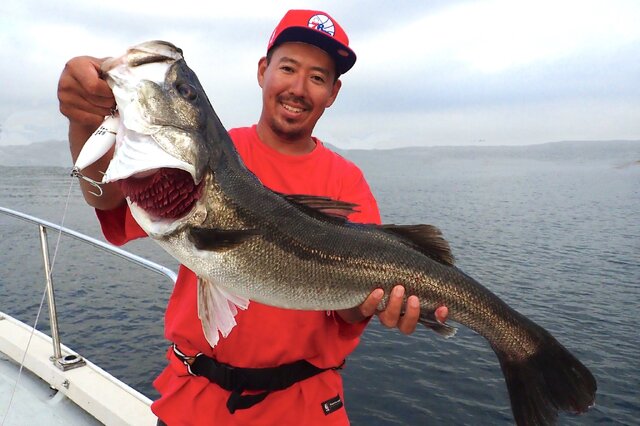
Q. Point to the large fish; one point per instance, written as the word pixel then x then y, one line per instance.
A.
pixel 189 190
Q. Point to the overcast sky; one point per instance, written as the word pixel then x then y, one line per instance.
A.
pixel 486 72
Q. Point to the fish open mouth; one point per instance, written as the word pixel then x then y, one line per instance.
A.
pixel 165 193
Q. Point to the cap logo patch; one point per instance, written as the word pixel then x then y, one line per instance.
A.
pixel 322 23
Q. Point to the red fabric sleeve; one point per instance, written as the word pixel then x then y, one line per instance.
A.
pixel 356 190
pixel 118 226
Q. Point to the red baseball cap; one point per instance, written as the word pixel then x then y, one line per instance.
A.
pixel 316 28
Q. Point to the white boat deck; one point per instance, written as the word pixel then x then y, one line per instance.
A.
pixel 34 402
pixel 85 396
pixel 47 395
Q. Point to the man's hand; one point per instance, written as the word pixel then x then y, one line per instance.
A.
pixel 85 98
pixel 391 316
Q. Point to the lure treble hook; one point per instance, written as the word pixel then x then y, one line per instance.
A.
pixel 75 172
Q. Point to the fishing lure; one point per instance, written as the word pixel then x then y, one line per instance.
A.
pixel 96 146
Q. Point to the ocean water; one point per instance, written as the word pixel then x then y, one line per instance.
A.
pixel 557 237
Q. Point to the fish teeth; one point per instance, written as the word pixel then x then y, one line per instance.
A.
pixel 165 194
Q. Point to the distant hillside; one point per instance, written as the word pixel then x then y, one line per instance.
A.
pixel 616 152
pixel 49 153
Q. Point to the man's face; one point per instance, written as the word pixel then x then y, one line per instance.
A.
pixel 297 85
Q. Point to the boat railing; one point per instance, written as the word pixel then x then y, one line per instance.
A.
pixel 72 361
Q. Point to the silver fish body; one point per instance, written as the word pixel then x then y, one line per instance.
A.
pixel 247 242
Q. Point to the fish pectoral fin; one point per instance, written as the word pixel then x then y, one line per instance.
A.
pixel 324 205
pixel 425 238
pixel 429 320
pixel 215 239
pixel 217 309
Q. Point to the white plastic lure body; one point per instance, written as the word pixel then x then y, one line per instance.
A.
pixel 98 143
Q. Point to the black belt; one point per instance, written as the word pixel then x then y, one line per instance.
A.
pixel 237 380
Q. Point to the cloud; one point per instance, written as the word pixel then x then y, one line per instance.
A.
pixel 447 71
pixel 28 125
pixel 497 35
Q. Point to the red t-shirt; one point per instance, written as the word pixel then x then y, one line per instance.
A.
pixel 265 336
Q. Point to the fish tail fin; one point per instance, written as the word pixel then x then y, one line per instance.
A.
pixel 551 379
pixel 217 309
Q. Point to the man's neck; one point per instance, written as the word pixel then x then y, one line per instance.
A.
pixel 299 146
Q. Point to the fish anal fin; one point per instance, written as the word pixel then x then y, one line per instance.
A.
pixel 215 239
pixel 217 309
pixel 429 320
pixel 324 205
pixel 425 238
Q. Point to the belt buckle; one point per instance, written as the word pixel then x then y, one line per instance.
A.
pixel 186 359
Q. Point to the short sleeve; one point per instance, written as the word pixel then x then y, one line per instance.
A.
pixel 119 226
pixel 356 190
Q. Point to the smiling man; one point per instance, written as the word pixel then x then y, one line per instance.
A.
pixel 277 366
pixel 299 81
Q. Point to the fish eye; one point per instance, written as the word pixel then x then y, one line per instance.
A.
pixel 187 91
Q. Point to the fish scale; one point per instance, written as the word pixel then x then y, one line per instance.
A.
pixel 246 242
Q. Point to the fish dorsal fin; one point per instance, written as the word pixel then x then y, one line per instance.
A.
pixel 216 239
pixel 425 238
pixel 327 206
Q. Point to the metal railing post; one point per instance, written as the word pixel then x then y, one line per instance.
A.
pixel 72 361
pixel 53 315
pixel 62 362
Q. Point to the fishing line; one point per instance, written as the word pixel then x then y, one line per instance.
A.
pixel 44 294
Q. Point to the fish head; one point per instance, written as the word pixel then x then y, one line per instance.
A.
pixel 164 139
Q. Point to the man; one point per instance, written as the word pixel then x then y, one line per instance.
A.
pixel 302 350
